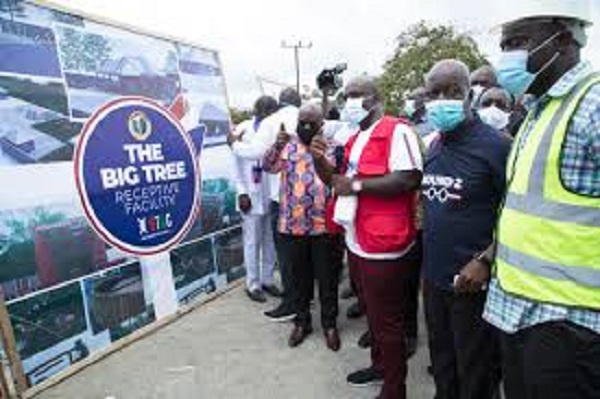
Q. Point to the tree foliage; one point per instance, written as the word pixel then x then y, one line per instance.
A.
pixel 239 115
pixel 419 48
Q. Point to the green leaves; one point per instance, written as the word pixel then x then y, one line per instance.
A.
pixel 419 47
pixel 239 115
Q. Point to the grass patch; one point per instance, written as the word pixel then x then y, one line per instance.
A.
pixel 50 96
pixel 64 153
pixel 61 129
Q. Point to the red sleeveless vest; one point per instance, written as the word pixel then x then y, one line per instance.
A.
pixel 383 224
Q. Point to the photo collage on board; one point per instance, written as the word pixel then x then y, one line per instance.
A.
pixel 68 293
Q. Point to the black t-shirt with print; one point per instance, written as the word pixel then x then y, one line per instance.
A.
pixel 463 187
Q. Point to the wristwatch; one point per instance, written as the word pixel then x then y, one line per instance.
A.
pixel 357 186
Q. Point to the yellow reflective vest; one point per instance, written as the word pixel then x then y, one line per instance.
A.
pixel 548 238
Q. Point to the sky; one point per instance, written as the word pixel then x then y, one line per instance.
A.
pixel 249 33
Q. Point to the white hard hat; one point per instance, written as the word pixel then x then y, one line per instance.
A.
pixel 517 10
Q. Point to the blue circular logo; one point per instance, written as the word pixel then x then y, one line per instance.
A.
pixel 137 176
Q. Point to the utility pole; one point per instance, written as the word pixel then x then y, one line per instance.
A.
pixel 297 46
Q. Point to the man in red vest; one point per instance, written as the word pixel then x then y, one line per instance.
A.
pixel 376 191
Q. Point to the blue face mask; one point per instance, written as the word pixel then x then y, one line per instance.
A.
pixel 445 115
pixel 511 68
pixel 354 112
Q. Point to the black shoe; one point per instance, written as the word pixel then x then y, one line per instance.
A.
pixel 364 341
pixel 256 295
pixel 365 377
pixel 411 346
pixel 354 311
pixel 347 293
pixel 281 314
pixel 272 290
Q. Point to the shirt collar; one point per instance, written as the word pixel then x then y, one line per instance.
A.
pixel 464 129
pixel 570 79
pixel 563 86
pixel 285 105
pixel 370 129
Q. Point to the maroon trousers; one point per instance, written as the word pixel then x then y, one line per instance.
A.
pixel 382 290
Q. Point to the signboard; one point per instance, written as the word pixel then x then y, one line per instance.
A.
pixel 136 174
pixel 88 257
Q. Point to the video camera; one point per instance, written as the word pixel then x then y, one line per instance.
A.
pixel 330 80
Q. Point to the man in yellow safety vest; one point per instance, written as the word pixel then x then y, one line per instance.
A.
pixel 545 292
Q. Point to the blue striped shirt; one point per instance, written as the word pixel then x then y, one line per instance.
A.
pixel 580 173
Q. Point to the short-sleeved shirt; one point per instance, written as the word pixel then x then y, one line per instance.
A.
pixel 405 155
pixel 302 196
pixel 463 186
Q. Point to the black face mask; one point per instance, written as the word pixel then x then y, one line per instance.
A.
pixel 306 131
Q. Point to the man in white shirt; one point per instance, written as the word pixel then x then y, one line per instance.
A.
pixel 377 197
pixel 286 119
pixel 253 201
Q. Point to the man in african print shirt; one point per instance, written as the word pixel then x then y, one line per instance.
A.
pixel 306 243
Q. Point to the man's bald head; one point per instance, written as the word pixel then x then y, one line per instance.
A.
pixel 496 96
pixel 484 76
pixel 290 96
pixel 311 112
pixel 363 86
pixel 448 79
pixel 310 122
pixel 363 92
pixel 264 106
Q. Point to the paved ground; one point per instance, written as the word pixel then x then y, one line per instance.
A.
pixel 228 350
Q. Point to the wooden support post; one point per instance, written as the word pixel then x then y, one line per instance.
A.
pixel 10 348
pixel 4 389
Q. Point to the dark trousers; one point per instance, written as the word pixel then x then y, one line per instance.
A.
pixel 338 250
pixel 310 257
pixel 464 349
pixel 289 292
pixel 415 257
pixel 413 282
pixel 355 280
pixel 556 360
pixel 383 285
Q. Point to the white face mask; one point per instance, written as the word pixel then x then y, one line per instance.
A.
pixel 477 92
pixel 494 117
pixel 353 111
